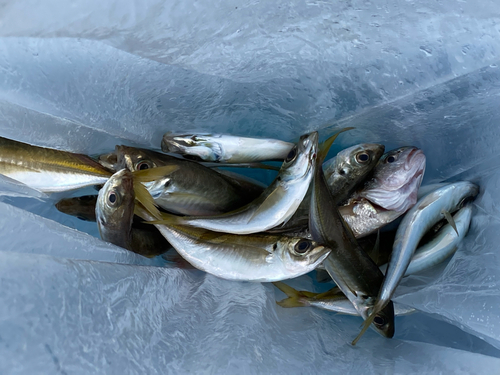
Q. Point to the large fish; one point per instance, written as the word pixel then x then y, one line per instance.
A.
pixel 114 211
pixel 390 192
pixel 225 148
pixel 258 257
pixel 191 190
pixel 417 221
pixel 49 170
pixel 277 203
pixel 350 267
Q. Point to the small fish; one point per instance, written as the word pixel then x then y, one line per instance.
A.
pixel 225 148
pixel 82 207
pixel 257 257
pixel 388 194
pixel 350 267
pixel 191 190
pixel 49 170
pixel 329 301
pixel 350 167
pixel 277 203
pixel 443 245
pixel 417 221
pixel 114 211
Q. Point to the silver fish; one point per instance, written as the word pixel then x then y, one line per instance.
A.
pixel 443 245
pixel 277 203
pixel 255 257
pixel 225 148
pixel 49 170
pixel 418 220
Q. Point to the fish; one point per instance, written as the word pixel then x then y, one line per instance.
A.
pixel 114 212
pixel 259 257
pixel 350 267
pixel 330 301
pixel 48 170
pixel 223 148
pixel 82 207
pixel 393 187
pixel 345 171
pixel 193 189
pixel 277 203
pixel 441 246
pixel 417 221
pixel 350 167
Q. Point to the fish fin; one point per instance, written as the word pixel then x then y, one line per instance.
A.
pixel 294 296
pixel 450 220
pixel 325 146
pixel 335 291
pixel 142 195
pixel 366 324
pixel 167 219
pixel 268 202
pixel 153 174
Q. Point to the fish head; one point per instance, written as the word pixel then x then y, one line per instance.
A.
pixel 301 159
pixel 353 164
pixel 135 159
pixel 383 322
pixel 193 147
pixel 396 179
pixel 115 208
pixel 301 254
pixel 82 207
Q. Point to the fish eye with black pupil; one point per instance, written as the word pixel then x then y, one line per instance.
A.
pixel 302 246
pixel 142 166
pixel 390 159
pixel 379 320
pixel 291 155
pixel 112 198
pixel 362 157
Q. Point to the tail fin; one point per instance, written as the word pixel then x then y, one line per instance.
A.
pixel 295 298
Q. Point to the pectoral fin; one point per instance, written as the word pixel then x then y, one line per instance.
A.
pixel 450 220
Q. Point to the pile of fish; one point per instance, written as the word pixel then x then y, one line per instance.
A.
pixel 316 215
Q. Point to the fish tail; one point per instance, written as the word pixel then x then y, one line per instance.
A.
pixel 325 146
pixel 167 219
pixel 335 291
pixel 295 298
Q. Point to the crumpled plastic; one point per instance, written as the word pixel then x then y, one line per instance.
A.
pixel 86 76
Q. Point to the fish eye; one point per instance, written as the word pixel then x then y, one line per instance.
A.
pixel 291 155
pixel 379 320
pixel 362 157
pixel 390 159
pixel 143 165
pixel 302 246
pixel 112 198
